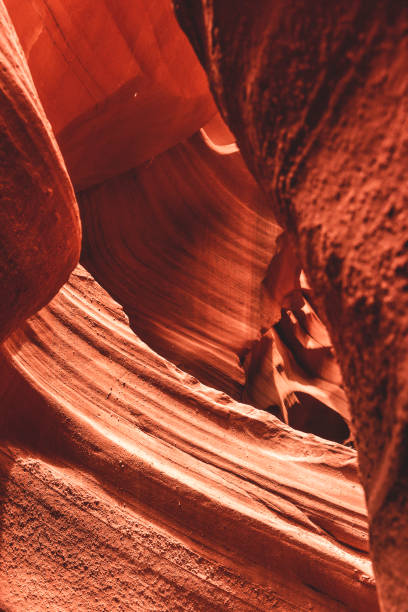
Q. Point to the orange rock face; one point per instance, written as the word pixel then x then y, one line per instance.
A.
pixel 198 284
pixel 119 83
pixel 175 429
pixel 186 219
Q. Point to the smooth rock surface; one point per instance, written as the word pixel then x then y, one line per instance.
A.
pixel 118 80
pixel 157 451
pixel 39 222
pixel 188 245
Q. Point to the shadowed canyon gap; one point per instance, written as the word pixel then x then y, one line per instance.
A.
pixel 177 430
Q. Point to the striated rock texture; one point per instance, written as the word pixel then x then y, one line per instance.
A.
pixel 316 94
pixel 199 238
pixel 128 484
pixel 39 222
pixel 187 244
pixel 118 80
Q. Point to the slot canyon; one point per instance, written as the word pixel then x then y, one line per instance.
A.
pixel 204 321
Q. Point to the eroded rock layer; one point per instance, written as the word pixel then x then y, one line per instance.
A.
pixel 188 246
pixel 146 484
pixel 183 243
pixel 157 451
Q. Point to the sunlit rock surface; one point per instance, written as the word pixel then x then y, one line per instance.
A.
pixel 160 416
pixel 187 244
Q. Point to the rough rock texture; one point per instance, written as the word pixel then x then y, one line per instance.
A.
pixel 39 222
pixel 117 79
pixel 316 94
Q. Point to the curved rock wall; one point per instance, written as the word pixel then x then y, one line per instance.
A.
pixel 316 95
pixel 183 243
pixel 232 509
pixel 188 246
pixel 39 222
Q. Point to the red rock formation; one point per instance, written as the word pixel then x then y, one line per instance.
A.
pixel 316 96
pixel 118 81
pixel 132 475
pixel 39 224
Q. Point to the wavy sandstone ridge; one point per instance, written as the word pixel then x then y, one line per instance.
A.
pixel 188 246
pixel 122 447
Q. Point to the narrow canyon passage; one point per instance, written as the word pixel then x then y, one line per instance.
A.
pixel 187 244
pixel 203 232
